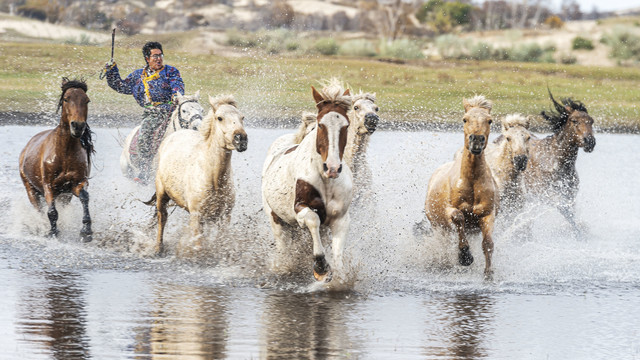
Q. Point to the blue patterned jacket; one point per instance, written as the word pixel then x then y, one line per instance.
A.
pixel 155 90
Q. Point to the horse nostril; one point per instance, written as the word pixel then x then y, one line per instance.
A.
pixel 340 169
pixel 325 167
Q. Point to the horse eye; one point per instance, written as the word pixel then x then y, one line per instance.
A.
pixel 65 100
pixel 219 118
pixel 508 139
pixel 464 120
pixel 377 108
pixel 528 137
pixel 356 108
pixel 490 121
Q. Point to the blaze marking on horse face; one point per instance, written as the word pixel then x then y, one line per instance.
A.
pixel 308 196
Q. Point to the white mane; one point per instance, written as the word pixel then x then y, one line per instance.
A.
pixel 333 91
pixel 514 120
pixel 478 101
pixel 364 96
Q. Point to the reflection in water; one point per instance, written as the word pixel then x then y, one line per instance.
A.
pixel 53 317
pixel 312 326
pixel 469 327
pixel 185 321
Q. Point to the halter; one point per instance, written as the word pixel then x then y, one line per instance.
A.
pixel 184 123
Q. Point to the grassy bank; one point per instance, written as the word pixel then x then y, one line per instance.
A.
pixel 279 87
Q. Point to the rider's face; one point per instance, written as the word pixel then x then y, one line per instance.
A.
pixel 155 59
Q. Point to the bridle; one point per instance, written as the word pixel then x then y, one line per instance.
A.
pixel 184 123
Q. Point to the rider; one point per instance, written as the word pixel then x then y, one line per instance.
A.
pixel 153 87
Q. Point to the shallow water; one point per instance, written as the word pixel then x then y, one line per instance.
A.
pixel 553 295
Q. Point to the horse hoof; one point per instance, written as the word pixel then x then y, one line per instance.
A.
pixel 53 233
pixel 464 257
pixel 86 238
pixel 488 275
pixel 326 277
pixel 321 270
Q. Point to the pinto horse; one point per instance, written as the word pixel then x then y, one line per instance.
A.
pixel 308 184
pixel 551 175
pixel 508 156
pixel 187 115
pixel 58 161
pixel 462 195
pixel 194 169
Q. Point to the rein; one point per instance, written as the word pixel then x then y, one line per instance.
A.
pixel 184 123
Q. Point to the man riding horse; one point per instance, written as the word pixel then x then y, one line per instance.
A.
pixel 153 87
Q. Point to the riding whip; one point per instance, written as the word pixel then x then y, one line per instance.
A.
pixel 113 40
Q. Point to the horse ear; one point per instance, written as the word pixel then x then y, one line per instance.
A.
pixel 346 93
pixel 197 95
pixel 65 80
pixel 466 105
pixel 212 103
pixel 316 96
pixel 568 108
pixel 178 97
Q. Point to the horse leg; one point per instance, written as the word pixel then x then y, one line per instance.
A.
pixel 339 230
pixel 83 195
pixel 196 222
pixel 486 226
pixel 457 219
pixel 52 213
pixel 568 211
pixel 307 217
pixel 161 204
pixel 34 195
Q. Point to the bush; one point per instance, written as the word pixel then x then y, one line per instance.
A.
pixel 272 41
pixel 358 47
pixel 401 49
pixel 326 46
pixel 452 47
pixel 624 44
pixel 481 51
pixel 554 22
pixel 527 53
pixel 568 59
pixel 580 43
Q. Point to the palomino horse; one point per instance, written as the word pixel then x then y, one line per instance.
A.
pixel 309 184
pixel 507 157
pixel 58 161
pixel 462 195
pixel 187 115
pixel 551 174
pixel 194 168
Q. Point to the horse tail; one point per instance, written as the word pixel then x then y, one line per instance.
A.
pixel 152 201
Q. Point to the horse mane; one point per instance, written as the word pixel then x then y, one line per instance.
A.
pixel 205 127
pixel 559 118
pixel 71 84
pixel 479 101
pixel 364 96
pixel 333 92
pixel 514 120
pixel 306 125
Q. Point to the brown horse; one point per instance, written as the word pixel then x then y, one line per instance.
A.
pixel 551 174
pixel 58 161
pixel 462 195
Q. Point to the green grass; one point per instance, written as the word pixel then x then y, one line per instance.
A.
pixel 269 87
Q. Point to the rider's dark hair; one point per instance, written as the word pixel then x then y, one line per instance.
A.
pixel 146 49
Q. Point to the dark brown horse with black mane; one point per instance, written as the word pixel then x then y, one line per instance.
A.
pixel 551 175
pixel 58 161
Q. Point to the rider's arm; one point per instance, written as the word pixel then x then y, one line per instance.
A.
pixel 116 83
pixel 175 81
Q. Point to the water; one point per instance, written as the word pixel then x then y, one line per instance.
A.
pixel 553 295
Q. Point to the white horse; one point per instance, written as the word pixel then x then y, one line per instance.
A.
pixel 187 115
pixel 194 168
pixel 308 184
pixel 507 157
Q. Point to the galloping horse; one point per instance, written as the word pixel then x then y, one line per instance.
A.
pixel 58 161
pixel 551 174
pixel 194 168
pixel 462 195
pixel 507 157
pixel 187 115
pixel 309 184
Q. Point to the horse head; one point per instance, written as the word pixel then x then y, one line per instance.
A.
pixel 515 130
pixel 225 120
pixel 189 110
pixel 332 124
pixel 74 103
pixel 365 110
pixel 573 120
pixel 477 123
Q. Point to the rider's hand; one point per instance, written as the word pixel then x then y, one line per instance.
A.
pixel 109 64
